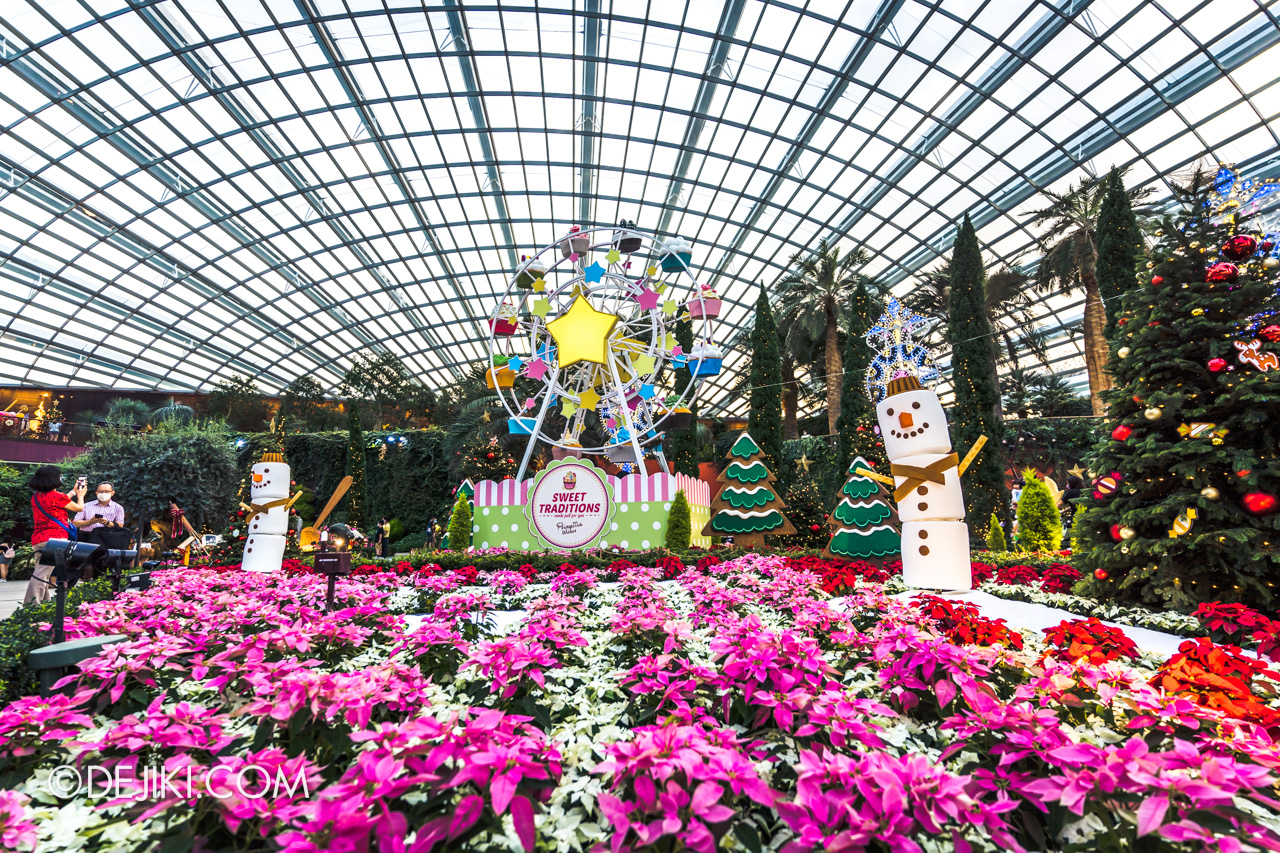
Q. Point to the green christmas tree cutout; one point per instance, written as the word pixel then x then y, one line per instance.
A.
pixel 864 525
pixel 746 507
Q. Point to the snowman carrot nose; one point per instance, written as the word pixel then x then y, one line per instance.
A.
pixel 905 421
pixel 257 478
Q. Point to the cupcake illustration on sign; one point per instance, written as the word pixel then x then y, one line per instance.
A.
pixel 570 480
pixel 926 471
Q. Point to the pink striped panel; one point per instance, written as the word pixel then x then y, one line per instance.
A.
pixel 502 493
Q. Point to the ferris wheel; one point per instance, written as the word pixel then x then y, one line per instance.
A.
pixel 587 325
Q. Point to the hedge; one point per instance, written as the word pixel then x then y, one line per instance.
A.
pixel 24 630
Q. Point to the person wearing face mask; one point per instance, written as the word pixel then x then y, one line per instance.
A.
pixel 99 515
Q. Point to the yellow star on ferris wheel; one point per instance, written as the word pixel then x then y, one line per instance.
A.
pixel 582 333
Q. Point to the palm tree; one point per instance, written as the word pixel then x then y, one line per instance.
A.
pixel 812 299
pixel 172 411
pixel 1070 243
pixel 125 411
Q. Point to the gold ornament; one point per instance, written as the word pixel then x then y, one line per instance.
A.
pixel 1153 414
pixel 1197 312
pixel 1195 244
pixel 1182 523
pixel 1123 352
pixel 1211 493
pixel 1270 263
pixel 1127 533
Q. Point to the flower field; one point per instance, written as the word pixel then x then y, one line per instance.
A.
pixel 728 705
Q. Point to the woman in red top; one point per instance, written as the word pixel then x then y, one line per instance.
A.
pixel 49 507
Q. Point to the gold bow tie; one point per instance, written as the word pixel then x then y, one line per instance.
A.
pixel 919 476
pixel 254 509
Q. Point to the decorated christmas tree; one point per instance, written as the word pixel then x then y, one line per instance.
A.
pixel 1183 508
pixel 747 507
pixel 864 525
pixel 804 508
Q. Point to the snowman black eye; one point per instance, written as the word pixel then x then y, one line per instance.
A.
pixel 915 405
pixel 889 412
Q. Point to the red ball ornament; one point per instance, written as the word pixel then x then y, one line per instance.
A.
pixel 815 527
pixel 1122 432
pixel 1101 574
pixel 1115 532
pixel 1122 321
pixel 1240 247
pixel 1267 245
pixel 1216 364
pixel 1157 280
pixel 1222 273
pixel 488 456
pixel 1259 503
pixel 1271 333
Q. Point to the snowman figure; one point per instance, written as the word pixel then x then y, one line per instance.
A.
pixel 268 515
pixel 926 478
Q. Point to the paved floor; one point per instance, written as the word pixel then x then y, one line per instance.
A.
pixel 11 594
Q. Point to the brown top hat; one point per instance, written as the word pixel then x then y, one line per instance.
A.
pixel 903 384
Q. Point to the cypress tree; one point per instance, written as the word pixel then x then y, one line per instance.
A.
pixel 995 535
pixel 460 524
pixel 355 466
pixel 684 443
pixel 1039 522
pixel 977 406
pixel 1119 248
pixel 764 421
pixel 856 408
pixel 679 524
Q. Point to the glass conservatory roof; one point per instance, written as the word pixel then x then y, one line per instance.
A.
pixel 195 189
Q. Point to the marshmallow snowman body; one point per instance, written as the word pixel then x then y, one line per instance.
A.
pixel 929 500
pixel 935 539
pixel 264 546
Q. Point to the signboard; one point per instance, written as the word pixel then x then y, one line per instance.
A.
pixel 570 505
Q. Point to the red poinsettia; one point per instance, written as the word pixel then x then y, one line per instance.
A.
pixel 982 572
pixel 1059 577
pixel 1219 677
pixel 1021 575
pixel 1073 639
pixel 671 567
pixel 705 563
pixel 962 624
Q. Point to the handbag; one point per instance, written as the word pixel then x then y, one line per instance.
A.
pixel 70 529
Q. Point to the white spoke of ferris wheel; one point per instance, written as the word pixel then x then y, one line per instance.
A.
pixel 626 415
pixel 537 425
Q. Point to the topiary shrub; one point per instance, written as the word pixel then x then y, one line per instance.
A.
pixel 995 535
pixel 1039 522
pixel 679 525
pixel 460 524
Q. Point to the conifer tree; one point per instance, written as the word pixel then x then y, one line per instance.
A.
pixel 355 466
pixel 995 535
pixel 747 507
pixel 460 524
pixel 679 528
pixel 1192 426
pixel 1039 522
pixel 764 420
pixel 864 525
pixel 1119 247
pixel 973 370
pixel 804 508
pixel 684 443
pixel 856 408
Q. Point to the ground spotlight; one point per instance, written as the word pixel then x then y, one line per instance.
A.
pixel 68 560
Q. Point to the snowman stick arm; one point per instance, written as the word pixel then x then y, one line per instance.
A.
pixel 972 454
pixel 879 478
pixel 244 506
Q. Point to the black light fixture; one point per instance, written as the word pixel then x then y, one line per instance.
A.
pixel 68 560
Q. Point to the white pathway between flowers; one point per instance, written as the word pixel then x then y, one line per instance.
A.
pixel 1035 618
pixel 1022 615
